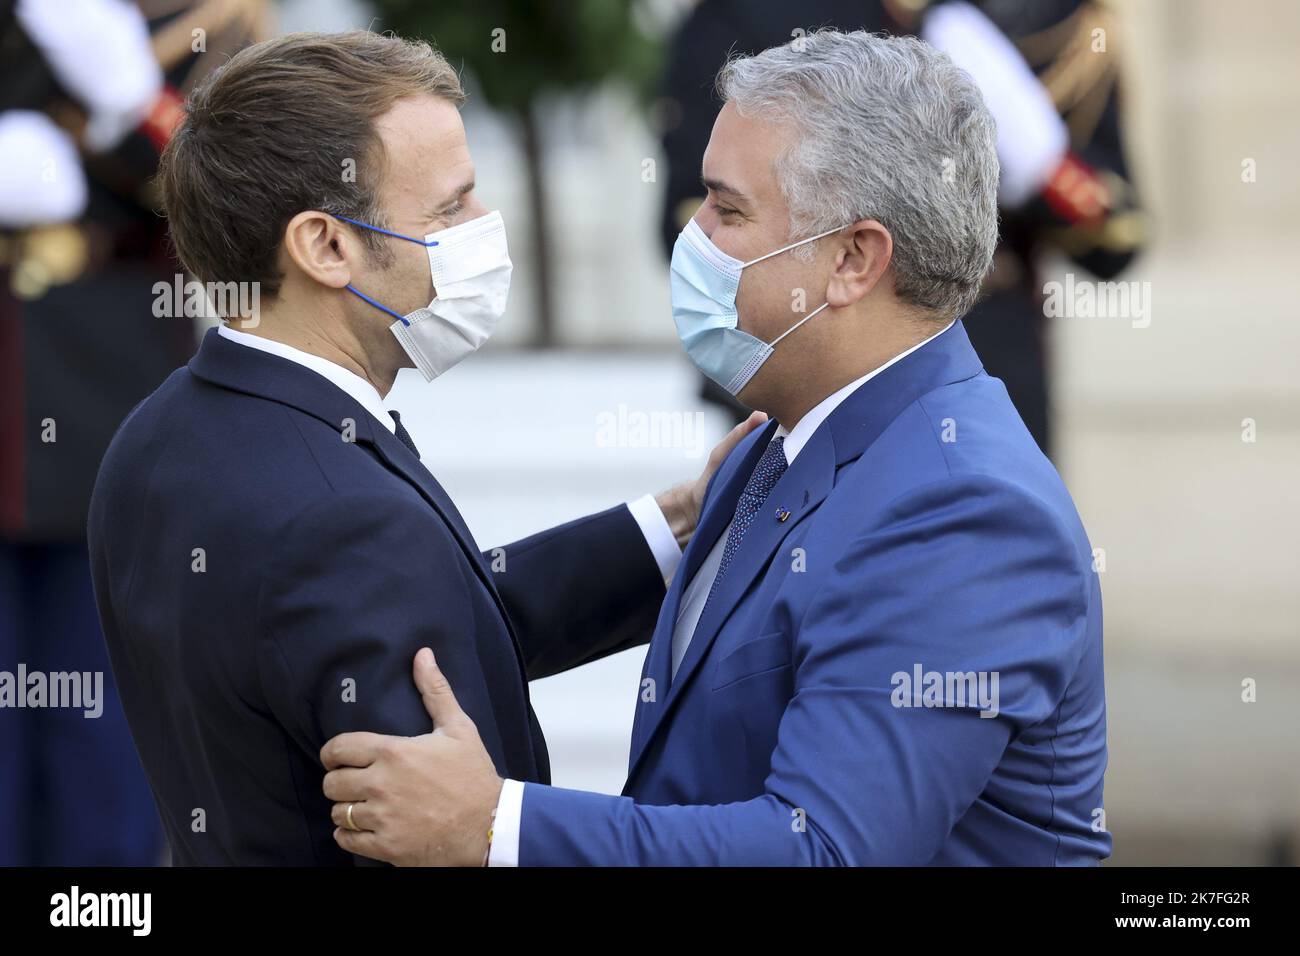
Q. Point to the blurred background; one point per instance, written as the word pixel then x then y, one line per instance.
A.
pixel 1173 420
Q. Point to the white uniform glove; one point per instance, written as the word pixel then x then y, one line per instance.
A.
pixel 43 182
pixel 1032 137
pixel 100 52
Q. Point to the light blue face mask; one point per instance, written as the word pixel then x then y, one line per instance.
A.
pixel 704 281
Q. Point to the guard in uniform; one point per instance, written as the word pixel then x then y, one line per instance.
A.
pixel 1063 163
pixel 89 93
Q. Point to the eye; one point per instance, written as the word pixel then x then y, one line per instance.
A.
pixel 725 211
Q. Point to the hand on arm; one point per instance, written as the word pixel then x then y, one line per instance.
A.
pixel 682 503
pixel 416 801
pixel 566 616
pixel 359 584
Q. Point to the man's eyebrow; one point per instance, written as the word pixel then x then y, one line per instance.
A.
pixel 718 186
pixel 459 191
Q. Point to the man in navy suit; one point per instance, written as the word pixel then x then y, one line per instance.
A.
pixel 883 644
pixel 268 550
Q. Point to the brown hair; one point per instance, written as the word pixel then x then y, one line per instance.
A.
pixel 271 134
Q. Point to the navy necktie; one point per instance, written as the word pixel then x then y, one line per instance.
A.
pixel 766 474
pixel 403 435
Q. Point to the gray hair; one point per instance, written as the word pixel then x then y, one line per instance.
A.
pixel 887 128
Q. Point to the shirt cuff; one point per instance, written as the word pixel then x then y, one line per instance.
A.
pixel 654 526
pixel 505 825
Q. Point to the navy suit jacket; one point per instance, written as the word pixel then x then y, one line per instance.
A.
pixel 920 531
pixel 267 560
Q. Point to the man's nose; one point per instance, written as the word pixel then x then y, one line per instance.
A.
pixel 706 219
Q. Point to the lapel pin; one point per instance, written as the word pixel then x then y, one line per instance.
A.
pixel 782 514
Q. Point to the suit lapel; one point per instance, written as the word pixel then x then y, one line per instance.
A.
pixel 796 495
pixel 658 661
pixel 845 435
pixel 254 372
pixel 400 459
pixel 800 490
pixel 719 506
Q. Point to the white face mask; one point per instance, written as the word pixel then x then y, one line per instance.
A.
pixel 471 268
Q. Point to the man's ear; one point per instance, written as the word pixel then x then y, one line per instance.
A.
pixel 321 248
pixel 859 262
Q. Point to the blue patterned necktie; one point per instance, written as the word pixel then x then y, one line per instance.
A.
pixel 766 474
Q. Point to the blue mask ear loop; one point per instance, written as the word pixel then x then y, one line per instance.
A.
pixel 820 235
pixel 428 244
pixel 378 305
pixel 396 235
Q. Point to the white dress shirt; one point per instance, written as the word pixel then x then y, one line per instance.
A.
pixel 367 395
pixel 510 805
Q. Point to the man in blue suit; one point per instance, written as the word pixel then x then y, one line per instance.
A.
pixel 883 644
pixel 268 551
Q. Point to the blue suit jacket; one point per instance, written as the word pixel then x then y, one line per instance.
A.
pixel 926 533
pixel 264 584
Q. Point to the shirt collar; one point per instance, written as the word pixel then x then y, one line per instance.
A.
pixel 797 437
pixel 366 395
